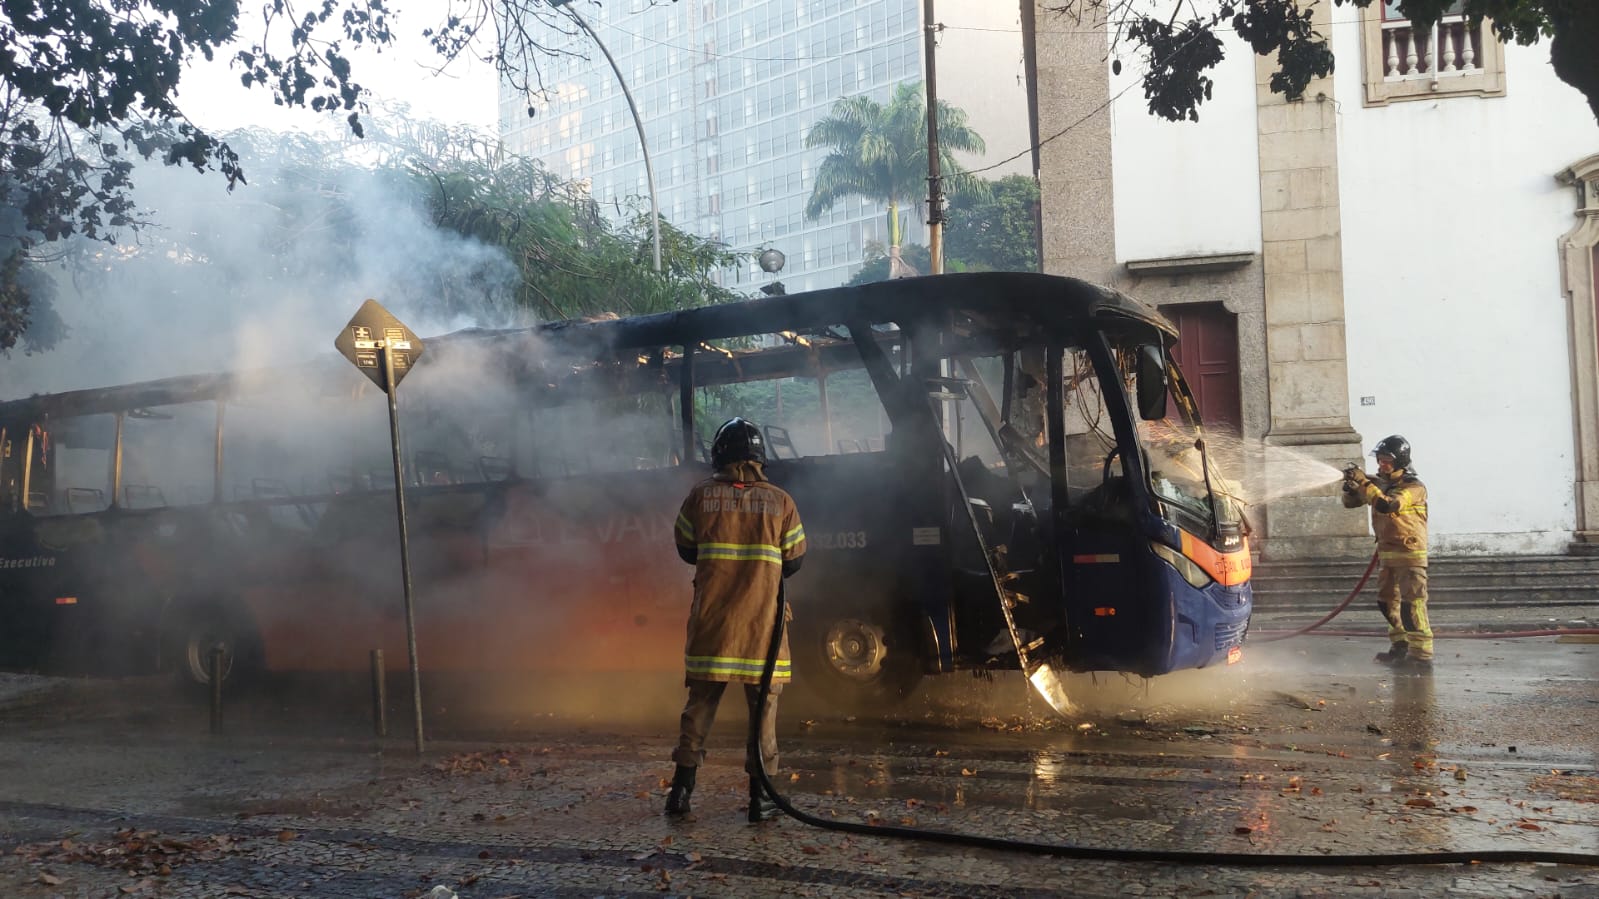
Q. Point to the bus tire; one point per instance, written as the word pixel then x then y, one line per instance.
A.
pixel 194 629
pixel 857 660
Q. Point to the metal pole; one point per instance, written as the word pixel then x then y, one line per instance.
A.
pixel 216 476
pixel 116 463
pixel 27 469
pixel 935 190
pixel 649 170
pixel 390 389
pixel 685 405
pixel 1030 70
pixel 380 696
pixel 216 688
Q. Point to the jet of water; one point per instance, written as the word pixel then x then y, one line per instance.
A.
pixel 1258 472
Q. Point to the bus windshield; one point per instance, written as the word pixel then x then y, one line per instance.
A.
pixel 1183 473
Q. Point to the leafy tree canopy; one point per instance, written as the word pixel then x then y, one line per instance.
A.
pixel 997 232
pixel 1183 47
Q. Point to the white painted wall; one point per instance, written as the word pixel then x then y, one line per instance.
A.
pixel 1455 320
pixel 1186 188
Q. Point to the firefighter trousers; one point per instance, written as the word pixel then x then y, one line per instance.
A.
pixel 1402 597
pixel 700 711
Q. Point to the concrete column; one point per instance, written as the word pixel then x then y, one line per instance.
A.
pixel 1075 168
pixel 1579 271
pixel 1302 258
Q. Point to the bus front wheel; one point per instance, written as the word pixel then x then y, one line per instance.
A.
pixel 857 661
pixel 197 631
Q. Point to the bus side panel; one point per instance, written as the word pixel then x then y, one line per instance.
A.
pixel 83 593
pixel 578 574
pixel 1119 617
pixel 860 536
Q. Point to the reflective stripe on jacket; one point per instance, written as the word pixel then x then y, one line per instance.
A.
pixel 1398 517
pixel 741 528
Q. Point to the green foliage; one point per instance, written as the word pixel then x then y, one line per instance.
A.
pixel 998 232
pixel 880 152
pixel 27 311
pixel 1180 50
pixel 570 262
pixel 876 264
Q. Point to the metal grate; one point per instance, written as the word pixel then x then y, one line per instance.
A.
pixel 1230 635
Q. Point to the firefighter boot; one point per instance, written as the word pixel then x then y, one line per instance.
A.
pixel 1413 665
pixel 1394 655
pixel 762 805
pixel 682 788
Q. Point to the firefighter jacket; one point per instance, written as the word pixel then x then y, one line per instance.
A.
pixel 742 533
pixel 1398 516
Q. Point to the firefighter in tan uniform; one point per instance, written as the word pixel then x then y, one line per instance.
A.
pixel 743 535
pixel 1398 503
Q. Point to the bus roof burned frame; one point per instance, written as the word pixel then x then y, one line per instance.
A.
pixel 1020 303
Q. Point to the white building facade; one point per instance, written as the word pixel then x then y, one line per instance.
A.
pixel 1410 248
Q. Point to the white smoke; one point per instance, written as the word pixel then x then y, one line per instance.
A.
pixel 259 277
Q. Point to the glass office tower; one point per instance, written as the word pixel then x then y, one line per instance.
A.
pixel 727 90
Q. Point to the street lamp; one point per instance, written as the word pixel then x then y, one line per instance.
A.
pixel 649 170
pixel 771 261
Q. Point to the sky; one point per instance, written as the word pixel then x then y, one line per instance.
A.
pixel 465 93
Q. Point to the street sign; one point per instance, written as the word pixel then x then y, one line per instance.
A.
pixel 372 331
pixel 385 350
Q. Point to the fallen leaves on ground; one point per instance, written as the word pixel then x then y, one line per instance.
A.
pixel 1571 787
pixel 478 762
pixel 138 852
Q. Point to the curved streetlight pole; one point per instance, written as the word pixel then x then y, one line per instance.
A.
pixel 649 170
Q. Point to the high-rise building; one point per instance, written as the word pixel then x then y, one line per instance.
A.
pixel 727 90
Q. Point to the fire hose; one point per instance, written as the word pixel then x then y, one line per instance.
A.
pixel 1099 853
pixel 1272 636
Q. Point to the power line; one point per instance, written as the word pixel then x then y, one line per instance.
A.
pixel 1137 80
pixel 1030 148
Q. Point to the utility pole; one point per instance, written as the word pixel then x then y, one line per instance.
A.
pixel 1030 67
pixel 935 186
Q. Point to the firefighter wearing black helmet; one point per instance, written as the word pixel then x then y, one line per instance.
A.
pixel 1398 503
pixel 743 535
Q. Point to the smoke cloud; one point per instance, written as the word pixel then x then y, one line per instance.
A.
pixel 259 277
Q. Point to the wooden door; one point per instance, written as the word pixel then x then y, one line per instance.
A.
pixel 1207 352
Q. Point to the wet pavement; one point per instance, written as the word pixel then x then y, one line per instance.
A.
pixel 115 788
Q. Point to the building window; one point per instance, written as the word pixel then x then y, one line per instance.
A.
pixel 1450 59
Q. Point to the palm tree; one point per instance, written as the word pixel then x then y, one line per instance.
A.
pixel 880 152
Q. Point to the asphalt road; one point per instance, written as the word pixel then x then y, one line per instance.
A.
pixel 1306 748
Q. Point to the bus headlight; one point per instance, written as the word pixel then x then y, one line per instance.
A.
pixel 1191 572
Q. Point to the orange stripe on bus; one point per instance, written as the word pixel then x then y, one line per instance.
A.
pixel 1228 569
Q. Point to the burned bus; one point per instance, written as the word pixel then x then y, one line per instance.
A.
pixel 992 468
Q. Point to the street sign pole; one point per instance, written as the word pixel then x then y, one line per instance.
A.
pixel 390 388
pixel 384 350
